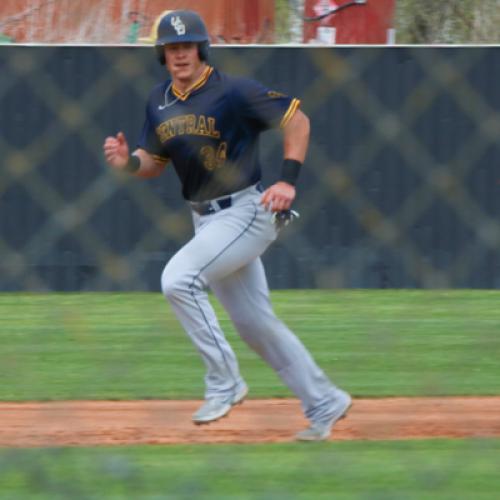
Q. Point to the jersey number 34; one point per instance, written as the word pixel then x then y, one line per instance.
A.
pixel 214 158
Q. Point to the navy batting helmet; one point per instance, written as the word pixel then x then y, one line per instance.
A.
pixel 179 26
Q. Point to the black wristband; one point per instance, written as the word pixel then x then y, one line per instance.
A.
pixel 133 164
pixel 290 171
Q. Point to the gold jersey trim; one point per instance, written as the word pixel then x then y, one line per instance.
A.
pixel 199 83
pixel 290 112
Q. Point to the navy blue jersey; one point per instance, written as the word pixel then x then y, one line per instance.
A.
pixel 211 133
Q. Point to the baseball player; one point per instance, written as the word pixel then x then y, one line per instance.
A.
pixel 207 125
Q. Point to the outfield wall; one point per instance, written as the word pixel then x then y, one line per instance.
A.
pixel 401 187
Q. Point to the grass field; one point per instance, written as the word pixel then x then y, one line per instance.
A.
pixel 374 343
pixel 372 470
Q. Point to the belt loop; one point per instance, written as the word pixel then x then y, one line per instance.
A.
pixel 224 202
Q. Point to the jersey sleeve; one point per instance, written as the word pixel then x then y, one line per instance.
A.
pixel 268 108
pixel 149 140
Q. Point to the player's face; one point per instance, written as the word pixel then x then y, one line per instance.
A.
pixel 183 62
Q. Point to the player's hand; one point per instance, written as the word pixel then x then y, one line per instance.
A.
pixel 278 197
pixel 116 151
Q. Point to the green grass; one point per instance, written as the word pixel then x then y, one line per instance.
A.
pixel 372 342
pixel 458 469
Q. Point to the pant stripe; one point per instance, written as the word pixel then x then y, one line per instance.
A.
pixel 193 295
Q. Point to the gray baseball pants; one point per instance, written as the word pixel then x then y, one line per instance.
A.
pixel 224 254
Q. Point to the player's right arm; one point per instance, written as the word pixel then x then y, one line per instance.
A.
pixel 117 154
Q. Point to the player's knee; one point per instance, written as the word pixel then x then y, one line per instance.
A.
pixel 258 329
pixel 251 319
pixel 253 331
pixel 171 285
pixel 175 284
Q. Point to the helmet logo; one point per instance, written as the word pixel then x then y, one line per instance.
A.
pixel 178 25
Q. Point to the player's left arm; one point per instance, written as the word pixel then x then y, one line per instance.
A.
pixel 296 131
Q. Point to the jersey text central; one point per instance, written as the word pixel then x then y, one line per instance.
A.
pixel 187 124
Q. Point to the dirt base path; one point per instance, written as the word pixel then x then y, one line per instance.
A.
pixel 90 423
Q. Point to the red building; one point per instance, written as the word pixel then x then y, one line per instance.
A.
pixel 121 21
pixel 354 23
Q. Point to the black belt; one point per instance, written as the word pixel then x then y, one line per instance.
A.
pixel 212 206
pixel 207 207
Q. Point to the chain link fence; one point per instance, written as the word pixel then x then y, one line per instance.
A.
pixel 400 188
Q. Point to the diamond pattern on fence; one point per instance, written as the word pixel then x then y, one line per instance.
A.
pixel 400 188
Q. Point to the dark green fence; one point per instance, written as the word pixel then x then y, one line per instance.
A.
pixel 401 187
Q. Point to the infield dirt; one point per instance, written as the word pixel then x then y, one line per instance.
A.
pixel 92 423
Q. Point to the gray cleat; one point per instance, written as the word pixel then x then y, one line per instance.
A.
pixel 215 408
pixel 321 431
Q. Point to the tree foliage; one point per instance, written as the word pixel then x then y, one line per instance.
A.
pixel 447 21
